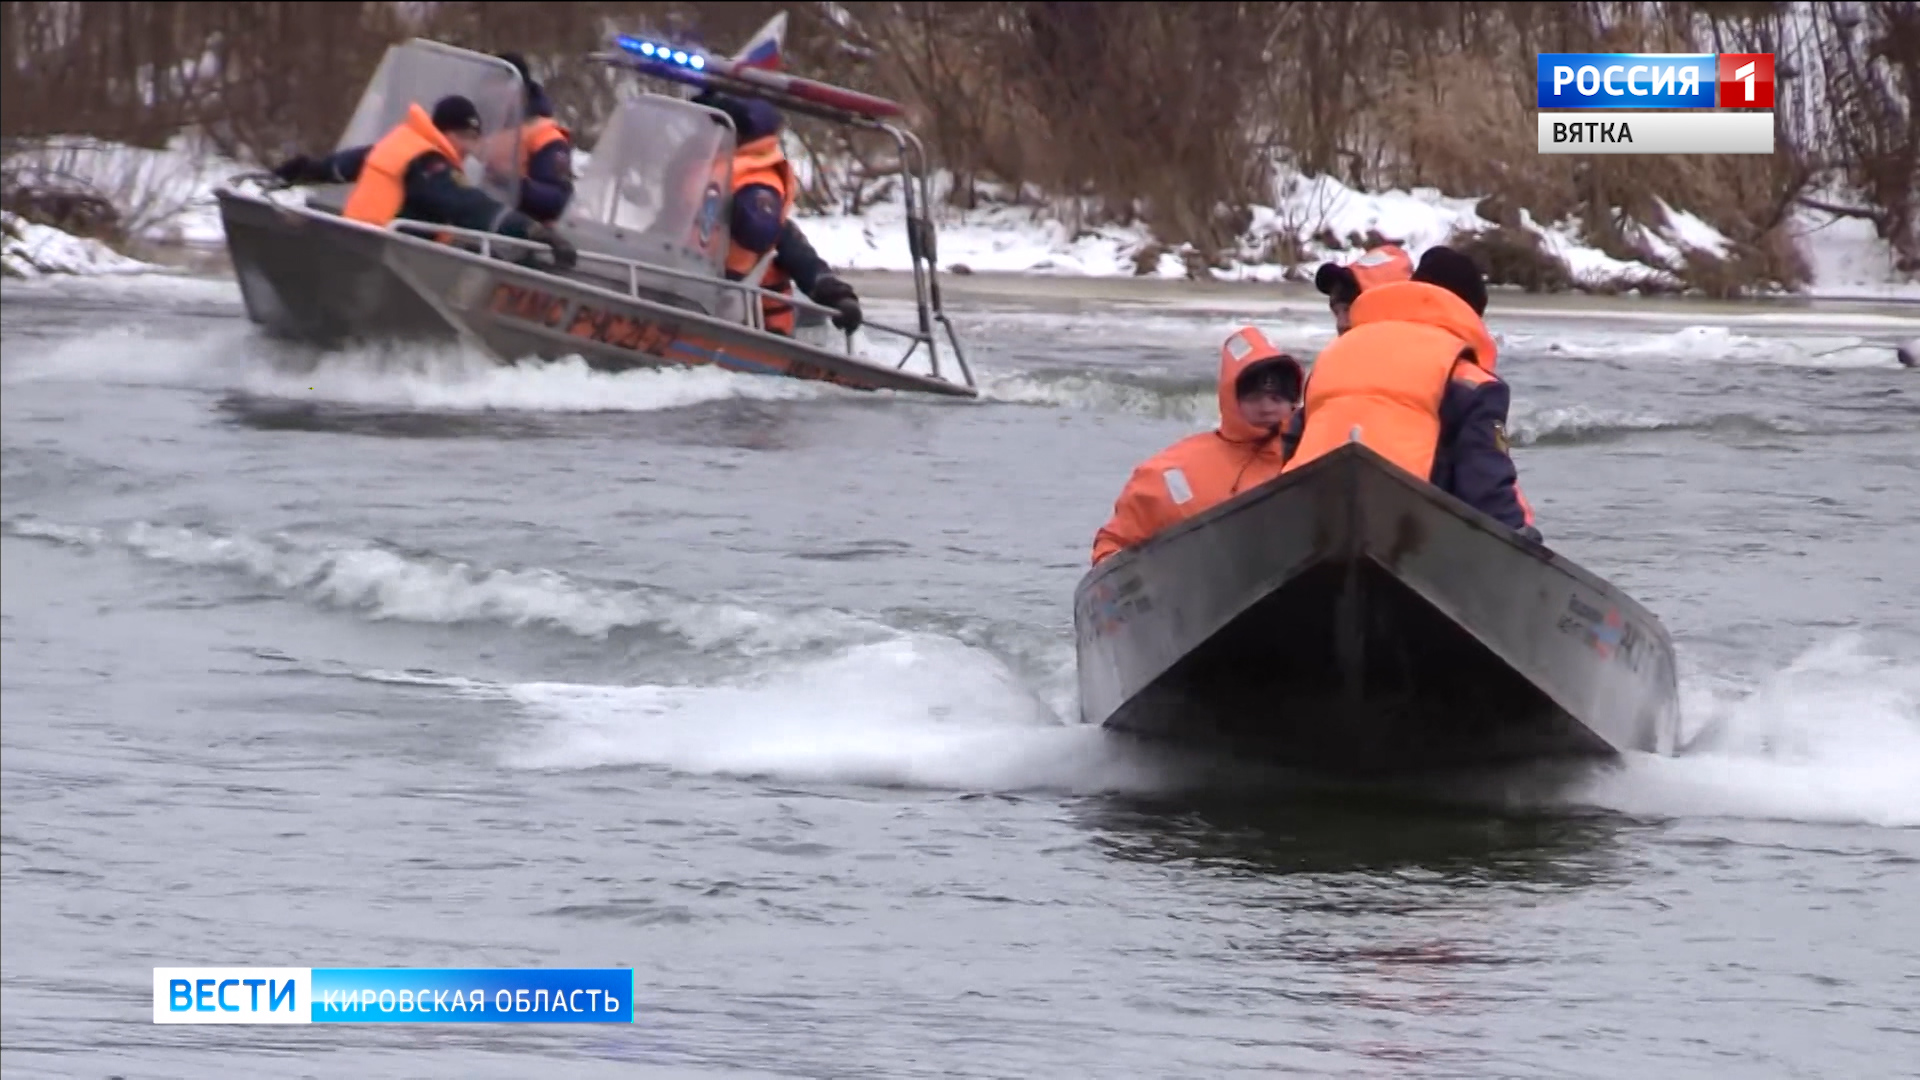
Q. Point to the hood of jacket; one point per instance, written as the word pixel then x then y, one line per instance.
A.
pixel 1428 305
pixel 1247 349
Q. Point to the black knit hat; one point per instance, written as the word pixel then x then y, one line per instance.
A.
pixel 454 113
pixel 1279 375
pixel 1455 273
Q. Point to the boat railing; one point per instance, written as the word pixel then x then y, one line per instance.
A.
pixel 491 245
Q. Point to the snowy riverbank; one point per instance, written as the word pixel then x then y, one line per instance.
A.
pixel 165 197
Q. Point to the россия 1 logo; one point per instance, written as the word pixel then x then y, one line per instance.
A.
pixel 1655 103
pixel 1746 80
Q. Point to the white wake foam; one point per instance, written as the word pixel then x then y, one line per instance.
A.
pixel 1530 424
pixel 387 585
pixel 1711 343
pixel 1834 737
pixel 918 711
pixel 454 381
pixel 449 379
pixel 1090 392
pixel 131 354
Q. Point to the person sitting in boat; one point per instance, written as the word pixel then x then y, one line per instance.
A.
pixel 764 191
pixel 546 152
pixel 1341 285
pixel 1259 389
pixel 415 172
pixel 1414 380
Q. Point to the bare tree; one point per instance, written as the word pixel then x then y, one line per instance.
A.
pixel 1175 114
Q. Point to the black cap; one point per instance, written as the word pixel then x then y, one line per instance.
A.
pixel 454 113
pixel 1455 273
pixel 1337 282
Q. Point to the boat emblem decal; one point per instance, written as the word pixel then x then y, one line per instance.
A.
pixel 1110 605
pixel 1607 633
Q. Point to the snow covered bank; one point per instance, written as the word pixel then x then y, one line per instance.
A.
pixel 162 195
pixel 1314 219
pixel 166 196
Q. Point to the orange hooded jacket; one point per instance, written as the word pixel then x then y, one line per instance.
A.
pixel 1200 471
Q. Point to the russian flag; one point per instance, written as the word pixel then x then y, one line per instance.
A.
pixel 763 49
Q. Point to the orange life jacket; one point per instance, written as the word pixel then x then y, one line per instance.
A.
pixel 381 189
pixel 533 136
pixel 538 134
pixel 1385 378
pixel 762 162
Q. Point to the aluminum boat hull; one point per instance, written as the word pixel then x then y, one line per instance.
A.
pixel 314 277
pixel 1349 618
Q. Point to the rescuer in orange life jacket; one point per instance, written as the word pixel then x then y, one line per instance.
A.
pixel 546 152
pixel 416 172
pixel 1414 376
pixel 1342 285
pixel 1259 388
pixel 764 191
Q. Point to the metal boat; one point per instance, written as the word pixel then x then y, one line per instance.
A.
pixel 648 218
pixel 1349 618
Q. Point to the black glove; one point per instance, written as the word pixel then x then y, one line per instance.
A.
pixel 1531 534
pixel 299 169
pixel 830 291
pixel 565 255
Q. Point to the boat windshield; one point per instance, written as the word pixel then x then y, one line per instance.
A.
pixel 421 72
pixel 661 170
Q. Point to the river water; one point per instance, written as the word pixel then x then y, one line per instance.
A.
pixel 765 690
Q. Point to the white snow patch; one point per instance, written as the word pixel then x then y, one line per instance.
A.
pixel 33 251
pixel 1848 258
pixel 1318 216
pixel 1691 232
